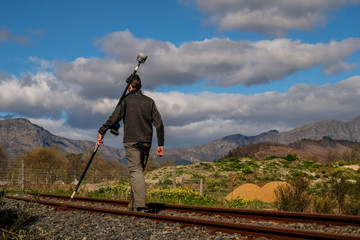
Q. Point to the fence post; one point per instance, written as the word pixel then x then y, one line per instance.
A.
pixel 201 186
pixel 22 174
pixel 174 176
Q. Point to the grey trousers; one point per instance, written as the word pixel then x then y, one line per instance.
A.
pixel 136 162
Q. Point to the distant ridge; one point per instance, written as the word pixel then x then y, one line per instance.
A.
pixel 216 149
pixel 20 135
pixel 305 149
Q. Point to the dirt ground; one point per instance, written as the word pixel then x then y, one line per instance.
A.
pixel 252 192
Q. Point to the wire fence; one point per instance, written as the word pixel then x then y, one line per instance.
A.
pixel 18 176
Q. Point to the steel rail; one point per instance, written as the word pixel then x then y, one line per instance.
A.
pixel 282 216
pixel 215 226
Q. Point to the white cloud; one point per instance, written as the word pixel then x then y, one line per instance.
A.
pixel 273 17
pixel 88 89
pixel 193 118
pixel 221 62
pixel 60 128
pixel 40 94
pixel 190 119
pixel 44 64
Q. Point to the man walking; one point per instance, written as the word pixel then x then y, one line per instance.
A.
pixel 139 115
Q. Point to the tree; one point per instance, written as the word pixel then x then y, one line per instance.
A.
pixel 45 165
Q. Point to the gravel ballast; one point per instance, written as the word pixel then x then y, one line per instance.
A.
pixel 88 226
pixel 57 224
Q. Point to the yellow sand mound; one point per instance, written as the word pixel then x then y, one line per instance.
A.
pixel 252 192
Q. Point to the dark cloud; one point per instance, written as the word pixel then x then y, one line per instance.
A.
pixel 271 17
pixel 7 36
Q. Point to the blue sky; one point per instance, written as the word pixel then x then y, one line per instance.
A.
pixel 215 68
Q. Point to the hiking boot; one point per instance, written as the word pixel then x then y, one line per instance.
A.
pixel 145 210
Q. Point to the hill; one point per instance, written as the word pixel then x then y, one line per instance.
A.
pixel 324 151
pixel 20 135
pixel 349 131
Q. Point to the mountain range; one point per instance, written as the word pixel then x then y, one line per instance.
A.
pixel 349 130
pixel 19 135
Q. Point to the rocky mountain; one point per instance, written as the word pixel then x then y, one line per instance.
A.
pixel 215 149
pixel 334 129
pixel 349 130
pixel 322 151
pixel 19 135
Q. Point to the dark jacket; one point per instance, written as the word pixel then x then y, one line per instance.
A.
pixel 139 114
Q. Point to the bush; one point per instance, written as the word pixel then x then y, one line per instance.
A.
pixel 351 206
pixel 339 189
pixel 206 166
pixel 179 196
pixel 291 157
pixel 239 202
pixel 213 184
pixel 121 190
pixel 230 164
pixel 293 197
pixel 324 204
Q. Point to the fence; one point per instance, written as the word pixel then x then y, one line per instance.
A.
pixel 16 175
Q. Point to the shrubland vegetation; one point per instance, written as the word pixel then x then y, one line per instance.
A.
pixel 331 187
pixel 51 166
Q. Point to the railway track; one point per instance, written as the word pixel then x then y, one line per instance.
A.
pixel 226 225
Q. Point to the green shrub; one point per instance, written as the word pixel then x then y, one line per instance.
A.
pixel 217 174
pixel 339 188
pixel 295 174
pixel 166 182
pixel 324 204
pixel 206 166
pixel 291 157
pixel 213 184
pixel 230 164
pixel 197 176
pixel 121 190
pixel 180 171
pixel 239 203
pixel 247 170
pixel 179 196
pixel 293 197
pixel 351 206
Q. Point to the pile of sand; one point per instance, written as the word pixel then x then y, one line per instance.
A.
pixel 252 192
